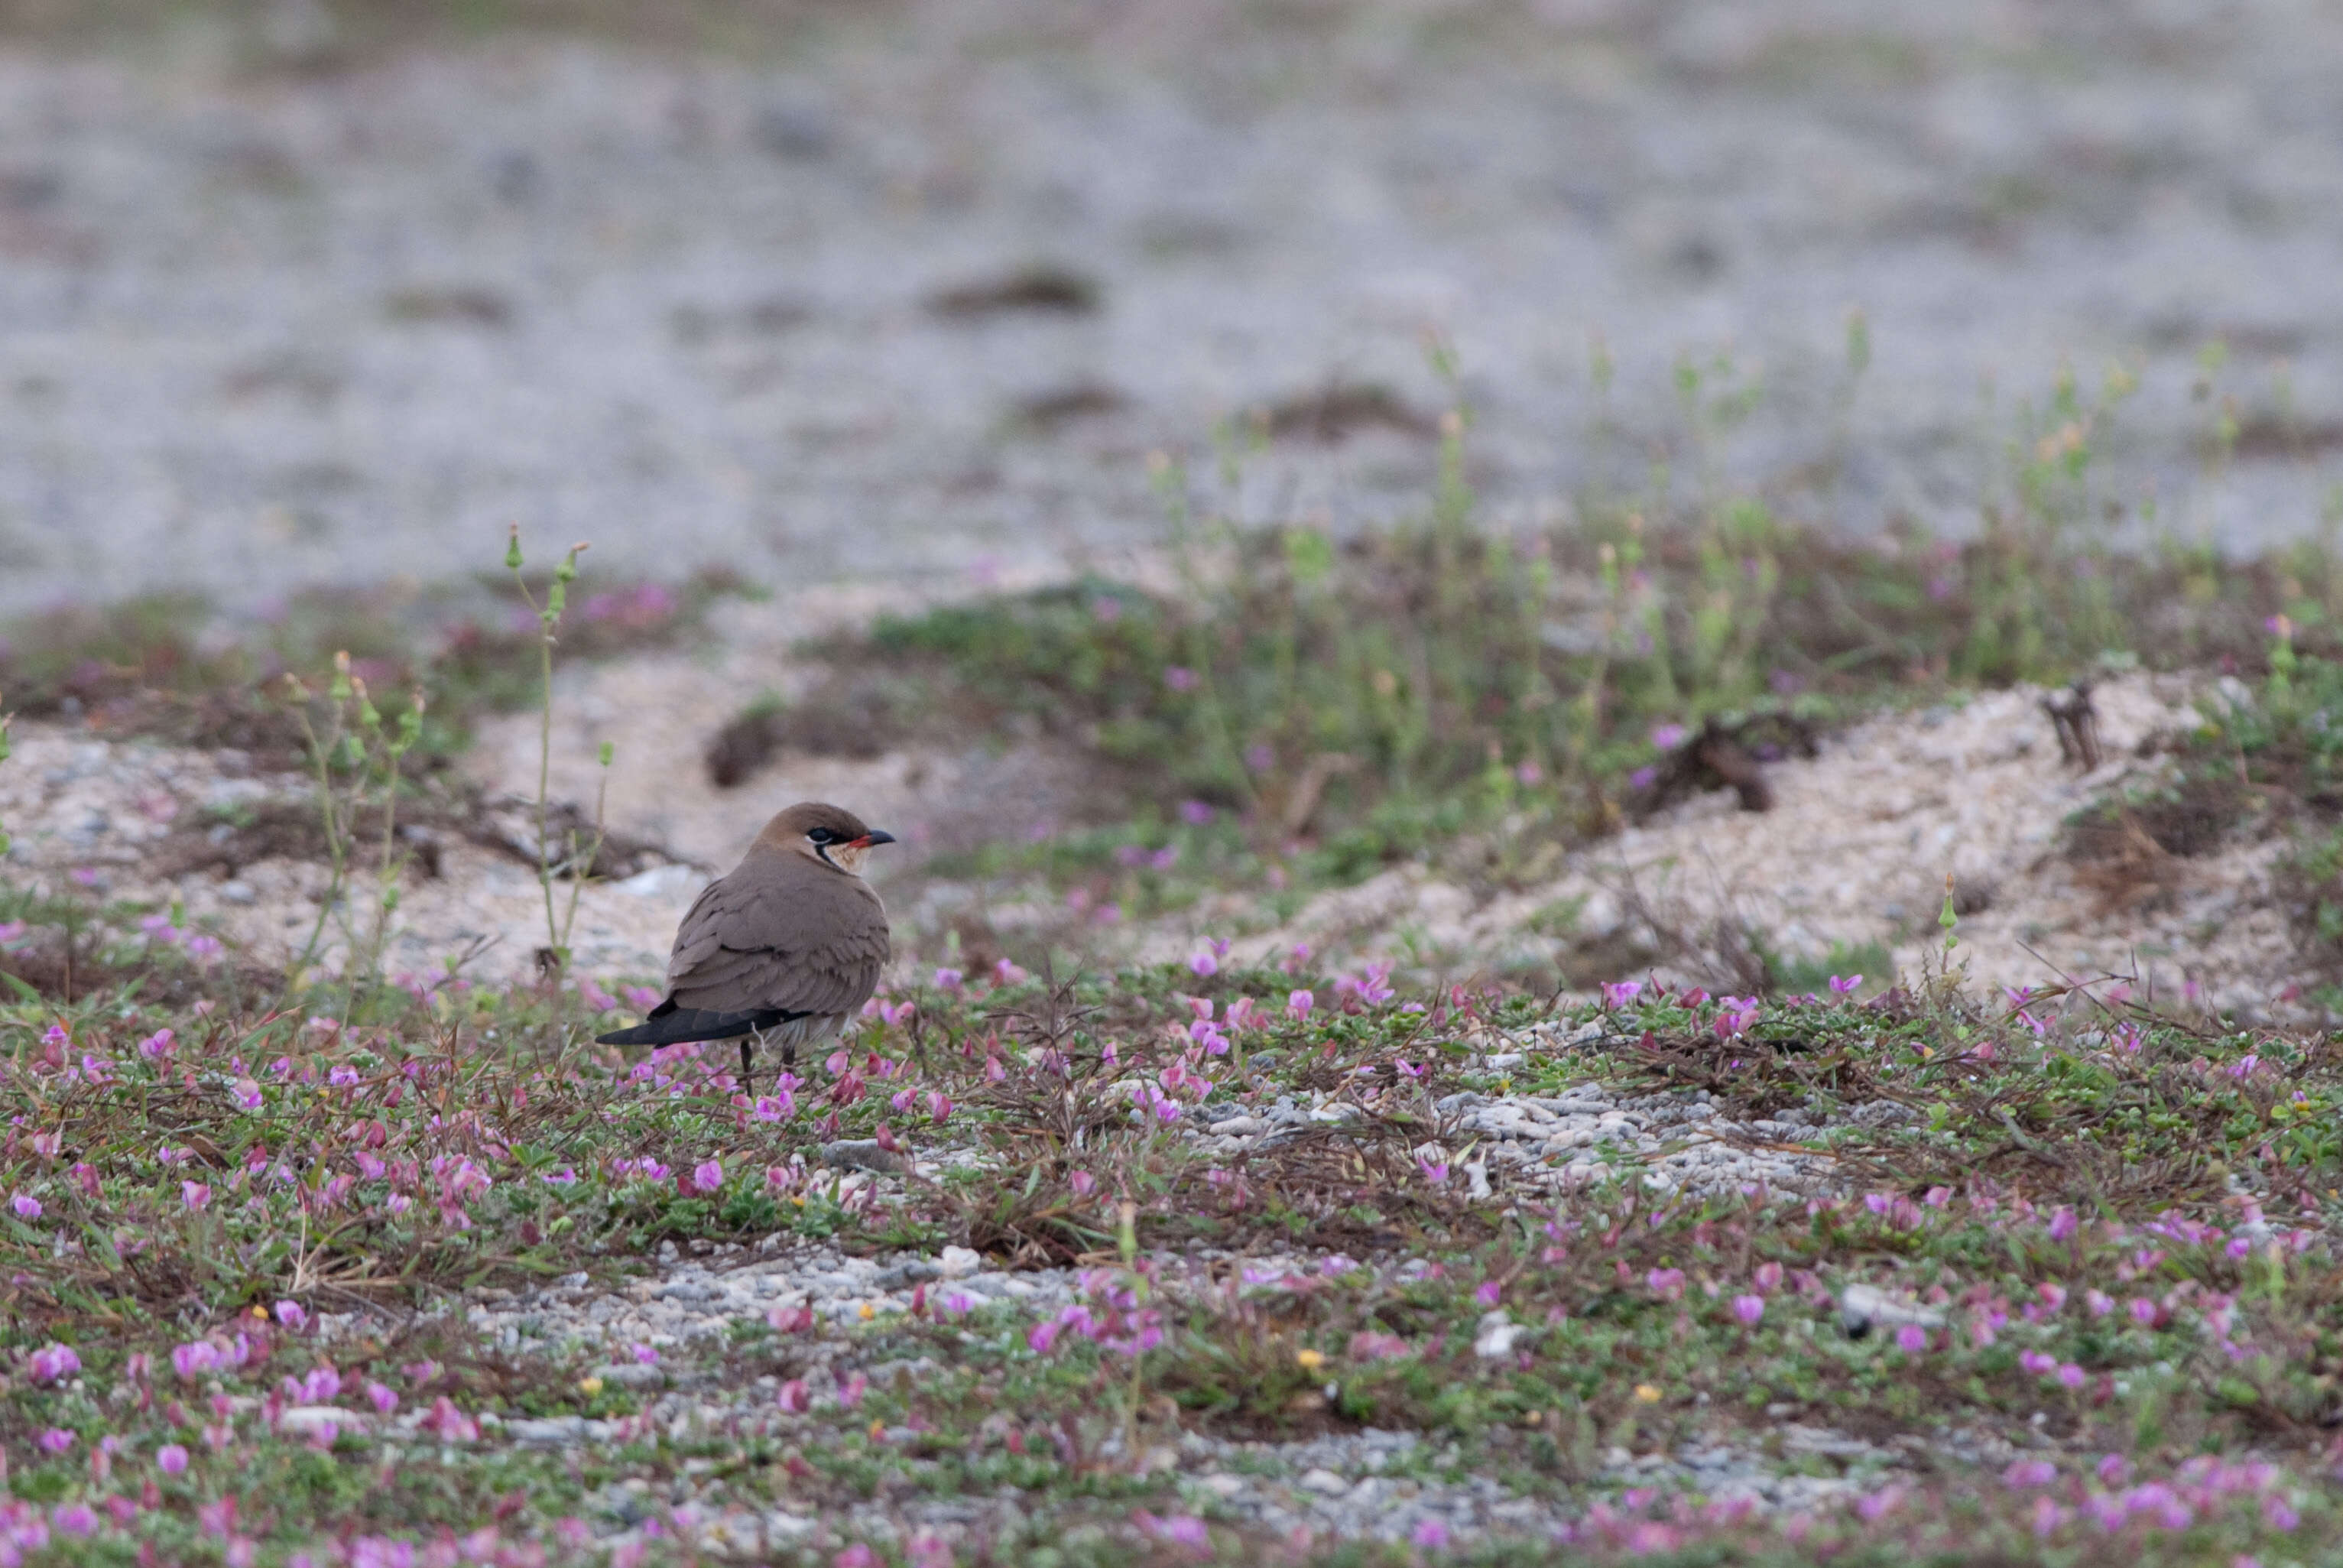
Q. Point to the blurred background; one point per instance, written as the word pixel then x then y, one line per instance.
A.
pixel 333 291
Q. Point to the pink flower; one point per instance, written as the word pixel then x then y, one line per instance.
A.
pixel 1619 993
pixel 939 1109
pixel 27 1206
pixel 384 1399
pixel 2028 1473
pixel 1749 1309
pixel 949 980
pixel 1912 1338
pixel 2070 1376
pixel 794 1398
pixel 1435 1171
pixel 855 1556
pixel 449 1425
pixel 1431 1534
pixel 708 1176
pixel 156 1046
pixel 1665 1283
pixel 1299 1003
pixel 54 1361
pixel 1082 1183
pixel 1179 677
pixel 1178 1530
pixel 1767 1277
pixel 2063 1223
pixel 1846 985
pixel 293 1315
pixel 172 1459
pixel 1204 965
pixel 56 1440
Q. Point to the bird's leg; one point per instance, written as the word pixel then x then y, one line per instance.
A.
pixel 748 1042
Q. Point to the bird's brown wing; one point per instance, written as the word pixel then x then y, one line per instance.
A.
pixel 808 940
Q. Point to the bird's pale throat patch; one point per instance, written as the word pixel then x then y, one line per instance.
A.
pixel 845 857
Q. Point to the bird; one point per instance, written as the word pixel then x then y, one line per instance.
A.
pixel 784 948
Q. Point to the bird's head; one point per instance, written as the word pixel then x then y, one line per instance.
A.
pixel 830 834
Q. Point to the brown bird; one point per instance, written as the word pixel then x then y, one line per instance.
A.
pixel 786 947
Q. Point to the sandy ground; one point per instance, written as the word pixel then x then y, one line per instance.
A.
pixel 262 326
pixel 1858 849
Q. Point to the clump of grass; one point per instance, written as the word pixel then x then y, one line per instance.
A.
pixel 1350 700
pixel 167 665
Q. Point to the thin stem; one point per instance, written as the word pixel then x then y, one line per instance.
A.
pixel 553 932
pixel 318 755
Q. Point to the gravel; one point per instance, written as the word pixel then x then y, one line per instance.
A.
pixel 1371 1484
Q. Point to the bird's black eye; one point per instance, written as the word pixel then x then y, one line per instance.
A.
pixel 821 835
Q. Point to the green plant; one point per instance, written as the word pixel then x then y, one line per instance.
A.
pixel 354 757
pixel 578 849
pixel 5 750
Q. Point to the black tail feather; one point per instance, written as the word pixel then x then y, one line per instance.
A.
pixel 683 1023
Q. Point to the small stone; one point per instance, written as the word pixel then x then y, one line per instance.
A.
pixel 959 1263
pixel 1494 1338
pixel 307 1420
pixel 1325 1482
pixel 1861 1307
pixel 548 1431
pixel 864 1154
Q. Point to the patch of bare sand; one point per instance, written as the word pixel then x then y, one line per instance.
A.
pixel 122 810
pixel 1856 850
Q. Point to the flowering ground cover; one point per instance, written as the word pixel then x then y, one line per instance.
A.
pixel 1200 1260
pixel 2069 1292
